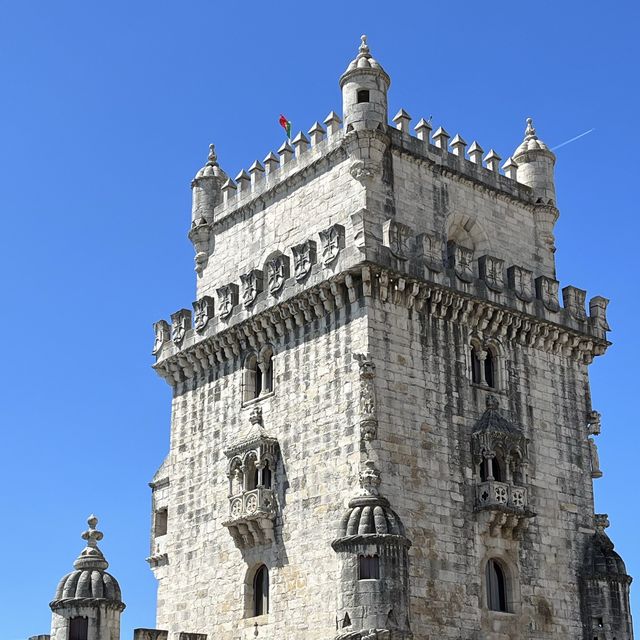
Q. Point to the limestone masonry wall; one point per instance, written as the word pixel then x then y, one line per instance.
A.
pixel 311 413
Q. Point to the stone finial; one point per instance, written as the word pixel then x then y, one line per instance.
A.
pixel 510 168
pixel 363 49
pixel 530 132
pixel 369 479
pixel 228 191
pixel 257 173
pixel 211 168
pixel 600 522
pixel 332 121
pixel 423 129
pixel 92 535
pixel 458 145
pixel 317 133
pixel 300 143
pixel 271 163
pixel 403 120
pixel 243 182
pixel 475 153
pixel 492 161
pixel 212 159
pixel 441 139
pixel 285 152
pixel 91 557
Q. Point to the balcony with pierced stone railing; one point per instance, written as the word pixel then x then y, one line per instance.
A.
pixel 503 508
pixel 251 517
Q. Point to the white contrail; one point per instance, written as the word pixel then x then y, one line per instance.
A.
pixel 572 139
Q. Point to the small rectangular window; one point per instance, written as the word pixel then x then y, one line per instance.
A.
pixel 160 525
pixel 369 568
pixel 363 95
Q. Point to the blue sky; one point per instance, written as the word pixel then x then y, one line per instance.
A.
pixel 107 112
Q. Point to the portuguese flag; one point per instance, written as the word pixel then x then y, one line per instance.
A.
pixel 285 124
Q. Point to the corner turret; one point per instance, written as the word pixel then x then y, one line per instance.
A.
pixel 206 190
pixel 364 92
pixel 604 588
pixel 535 166
pixel 373 592
pixel 88 601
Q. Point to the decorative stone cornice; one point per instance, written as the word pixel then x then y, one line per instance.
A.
pixel 526 321
pixel 57 605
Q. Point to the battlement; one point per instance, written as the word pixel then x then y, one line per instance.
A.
pixel 479 292
pixel 437 148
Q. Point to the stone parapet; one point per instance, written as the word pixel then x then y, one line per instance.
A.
pixel 513 312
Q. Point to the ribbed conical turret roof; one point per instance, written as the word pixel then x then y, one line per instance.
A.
pixel 364 62
pixel 89 581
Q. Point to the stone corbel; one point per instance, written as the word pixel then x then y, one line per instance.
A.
pixel 200 235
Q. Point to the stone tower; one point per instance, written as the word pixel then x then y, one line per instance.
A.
pixel 381 420
pixel 88 602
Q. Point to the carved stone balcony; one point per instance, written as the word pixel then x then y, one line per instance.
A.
pixel 503 508
pixel 251 517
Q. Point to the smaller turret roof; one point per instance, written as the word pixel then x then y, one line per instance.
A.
pixel 365 62
pixel 89 580
pixel 211 168
pixel 601 561
pixel 531 141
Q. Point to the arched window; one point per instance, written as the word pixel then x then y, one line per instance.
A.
pixel 78 628
pixel 250 472
pixel 484 366
pixel 252 379
pixel 266 368
pixel 491 469
pixel 369 567
pixel 496 586
pixel 489 369
pixel 261 592
pixel 476 367
pixel 266 476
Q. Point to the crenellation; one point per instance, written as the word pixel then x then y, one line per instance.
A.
pixel 286 153
pixel 492 161
pixel 229 191
pixel 317 133
pixel 271 165
pixel 300 144
pixel 475 153
pixel 256 171
pixel 402 121
pixel 510 168
pixel 458 145
pixel 333 122
pixel 441 139
pixel 243 185
pixel 423 130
